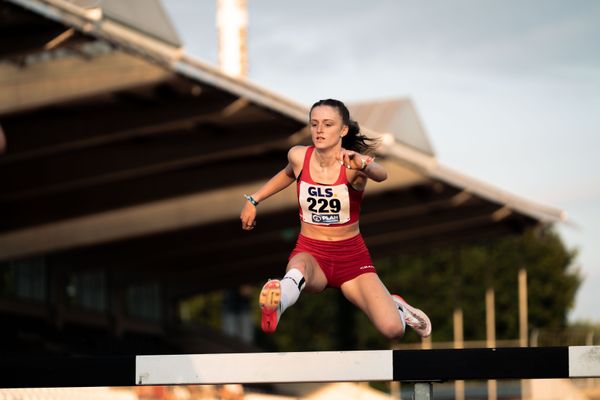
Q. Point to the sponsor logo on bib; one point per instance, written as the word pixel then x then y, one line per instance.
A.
pixel 326 218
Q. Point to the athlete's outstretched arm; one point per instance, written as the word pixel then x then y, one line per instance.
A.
pixel 276 184
pixel 375 171
pixel 280 181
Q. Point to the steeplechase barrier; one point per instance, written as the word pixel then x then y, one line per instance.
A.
pixel 423 366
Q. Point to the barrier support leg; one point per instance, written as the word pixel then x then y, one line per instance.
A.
pixel 423 391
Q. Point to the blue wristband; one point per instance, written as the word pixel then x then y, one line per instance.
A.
pixel 251 200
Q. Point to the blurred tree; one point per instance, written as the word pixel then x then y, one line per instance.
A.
pixel 205 308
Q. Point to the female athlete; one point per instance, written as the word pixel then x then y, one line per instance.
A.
pixel 331 176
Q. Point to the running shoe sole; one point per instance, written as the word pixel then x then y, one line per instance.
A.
pixel 269 300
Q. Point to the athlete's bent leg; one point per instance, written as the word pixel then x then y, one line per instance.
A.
pixel 316 281
pixel 368 293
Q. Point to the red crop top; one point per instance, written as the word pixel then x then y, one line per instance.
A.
pixel 337 204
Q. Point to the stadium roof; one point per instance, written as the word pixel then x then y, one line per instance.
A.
pixel 123 150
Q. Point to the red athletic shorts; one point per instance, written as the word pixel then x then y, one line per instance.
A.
pixel 340 260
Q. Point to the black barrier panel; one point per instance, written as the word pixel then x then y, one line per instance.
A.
pixel 401 365
pixel 499 363
pixel 22 372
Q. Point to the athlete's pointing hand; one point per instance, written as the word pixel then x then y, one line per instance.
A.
pixel 353 160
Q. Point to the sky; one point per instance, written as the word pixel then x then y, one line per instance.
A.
pixel 508 91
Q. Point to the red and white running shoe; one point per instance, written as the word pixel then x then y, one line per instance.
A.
pixel 414 317
pixel 270 305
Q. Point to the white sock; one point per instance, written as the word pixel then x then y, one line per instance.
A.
pixel 291 285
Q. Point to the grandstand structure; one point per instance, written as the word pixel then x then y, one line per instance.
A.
pixel 123 161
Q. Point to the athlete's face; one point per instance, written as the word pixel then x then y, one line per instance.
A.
pixel 326 126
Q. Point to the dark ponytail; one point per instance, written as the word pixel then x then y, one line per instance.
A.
pixel 354 140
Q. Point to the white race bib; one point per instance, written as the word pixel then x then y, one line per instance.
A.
pixel 324 205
